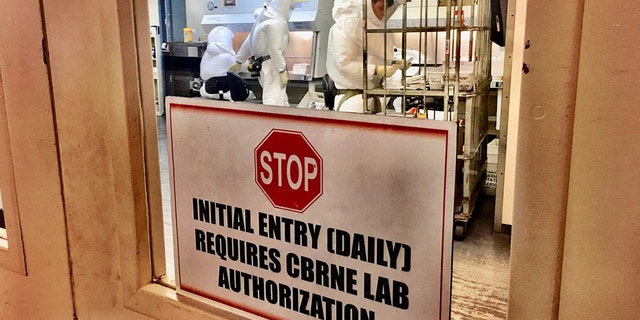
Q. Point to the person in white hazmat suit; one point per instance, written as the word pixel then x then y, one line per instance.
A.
pixel 267 43
pixel 217 59
pixel 345 54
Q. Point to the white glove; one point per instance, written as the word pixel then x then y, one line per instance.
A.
pixel 235 67
pixel 386 71
pixel 401 64
pixel 284 78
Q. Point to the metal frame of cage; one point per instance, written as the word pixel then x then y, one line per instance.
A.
pixel 466 104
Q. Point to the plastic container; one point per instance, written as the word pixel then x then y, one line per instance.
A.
pixel 187 34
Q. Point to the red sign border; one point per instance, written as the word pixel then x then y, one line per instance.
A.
pixel 380 126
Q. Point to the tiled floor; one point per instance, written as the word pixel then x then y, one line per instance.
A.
pixel 480 269
pixel 480 261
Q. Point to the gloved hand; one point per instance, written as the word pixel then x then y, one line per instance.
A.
pixel 386 71
pixel 401 64
pixel 235 67
pixel 284 78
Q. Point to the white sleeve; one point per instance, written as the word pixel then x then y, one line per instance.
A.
pixel 344 58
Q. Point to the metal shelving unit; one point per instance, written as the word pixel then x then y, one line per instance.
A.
pixel 442 40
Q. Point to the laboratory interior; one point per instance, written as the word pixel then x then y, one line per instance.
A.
pixel 527 237
pixel 475 57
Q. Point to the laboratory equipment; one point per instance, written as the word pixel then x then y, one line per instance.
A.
pixel 181 66
pixel 308 31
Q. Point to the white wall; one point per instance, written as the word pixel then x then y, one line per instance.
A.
pixel 194 11
pixel 154 16
pixel 601 265
pixel 514 110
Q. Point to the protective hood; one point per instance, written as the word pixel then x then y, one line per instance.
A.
pixel 219 55
pixel 346 10
pixel 351 10
pixel 220 40
pixel 347 15
pixel 373 22
pixel 277 9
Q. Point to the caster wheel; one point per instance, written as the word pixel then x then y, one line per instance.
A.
pixel 460 231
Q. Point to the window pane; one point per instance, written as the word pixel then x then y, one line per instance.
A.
pixel 3 228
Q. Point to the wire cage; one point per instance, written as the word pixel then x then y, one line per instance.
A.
pixel 448 45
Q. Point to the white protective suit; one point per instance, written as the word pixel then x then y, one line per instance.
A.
pixel 270 37
pixel 345 54
pixel 217 59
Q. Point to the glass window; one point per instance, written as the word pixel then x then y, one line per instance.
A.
pixel 11 251
pixel 3 227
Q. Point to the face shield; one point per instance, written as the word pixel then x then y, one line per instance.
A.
pixel 372 19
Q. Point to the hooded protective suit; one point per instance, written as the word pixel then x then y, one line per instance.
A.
pixel 217 59
pixel 345 54
pixel 270 38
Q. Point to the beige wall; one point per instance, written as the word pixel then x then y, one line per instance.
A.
pixel 514 109
pixel 73 114
pixel 83 124
pixel 29 125
pixel 601 265
pixel 545 124
pixel 575 234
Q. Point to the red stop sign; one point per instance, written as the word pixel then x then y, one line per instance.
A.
pixel 288 170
